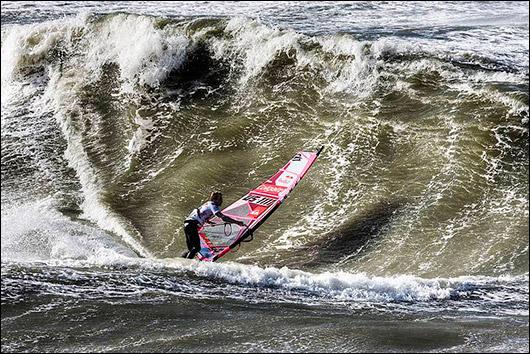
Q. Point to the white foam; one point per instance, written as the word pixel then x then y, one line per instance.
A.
pixel 256 43
pixel 10 52
pixel 359 73
pixel 341 285
pixel 36 231
pixel 141 135
pixel 145 58
pixel 338 286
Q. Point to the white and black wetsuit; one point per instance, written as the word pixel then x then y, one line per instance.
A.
pixel 192 223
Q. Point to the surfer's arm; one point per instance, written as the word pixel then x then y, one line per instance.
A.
pixel 229 219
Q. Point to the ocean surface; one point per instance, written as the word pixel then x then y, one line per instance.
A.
pixel 409 234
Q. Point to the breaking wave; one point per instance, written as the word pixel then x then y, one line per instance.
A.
pixel 426 164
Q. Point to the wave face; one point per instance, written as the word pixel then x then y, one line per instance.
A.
pixel 118 119
pixel 426 164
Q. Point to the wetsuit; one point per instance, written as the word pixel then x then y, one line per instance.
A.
pixel 192 224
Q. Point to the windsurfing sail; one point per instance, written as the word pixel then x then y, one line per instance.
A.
pixel 218 238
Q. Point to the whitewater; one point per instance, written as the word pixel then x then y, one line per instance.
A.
pixel 410 233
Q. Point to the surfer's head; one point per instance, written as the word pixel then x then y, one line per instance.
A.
pixel 216 198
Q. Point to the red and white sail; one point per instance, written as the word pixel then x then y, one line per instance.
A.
pixel 219 238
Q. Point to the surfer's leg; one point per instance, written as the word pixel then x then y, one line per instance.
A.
pixel 187 231
pixel 192 240
pixel 195 244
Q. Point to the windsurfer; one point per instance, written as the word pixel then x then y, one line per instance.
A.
pixel 200 216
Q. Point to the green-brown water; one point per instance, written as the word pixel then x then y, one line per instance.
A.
pixel 409 234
